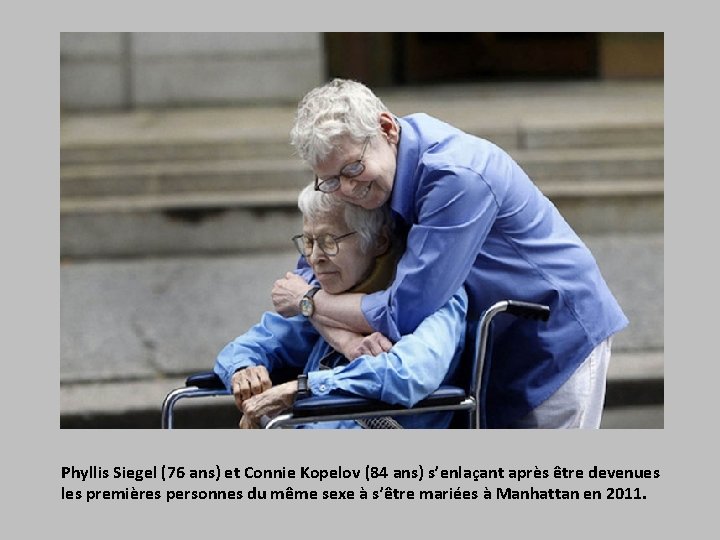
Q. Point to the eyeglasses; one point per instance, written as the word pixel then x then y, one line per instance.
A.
pixel 328 243
pixel 350 170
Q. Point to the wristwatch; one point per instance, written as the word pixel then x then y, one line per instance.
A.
pixel 303 389
pixel 307 306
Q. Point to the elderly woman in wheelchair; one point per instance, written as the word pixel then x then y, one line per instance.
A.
pixel 350 249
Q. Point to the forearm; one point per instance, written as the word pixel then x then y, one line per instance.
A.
pixel 339 339
pixel 415 366
pixel 340 311
pixel 275 342
pixel 353 344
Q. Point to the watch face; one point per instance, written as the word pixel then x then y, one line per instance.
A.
pixel 306 307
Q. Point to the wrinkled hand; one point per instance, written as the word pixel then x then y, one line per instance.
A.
pixel 246 423
pixel 249 382
pixel 270 403
pixel 373 344
pixel 287 293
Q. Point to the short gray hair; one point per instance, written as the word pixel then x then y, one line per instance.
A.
pixel 368 223
pixel 340 108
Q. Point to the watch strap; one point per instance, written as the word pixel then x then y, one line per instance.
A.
pixel 303 388
pixel 307 306
pixel 312 292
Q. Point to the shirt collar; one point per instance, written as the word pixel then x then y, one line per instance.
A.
pixel 405 183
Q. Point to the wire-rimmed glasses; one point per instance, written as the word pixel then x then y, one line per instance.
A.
pixel 328 243
pixel 349 170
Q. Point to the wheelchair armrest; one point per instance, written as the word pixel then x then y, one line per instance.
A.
pixel 341 404
pixel 528 310
pixel 206 380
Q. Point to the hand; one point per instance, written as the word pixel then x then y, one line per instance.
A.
pixel 372 344
pixel 270 403
pixel 246 423
pixel 287 293
pixel 249 382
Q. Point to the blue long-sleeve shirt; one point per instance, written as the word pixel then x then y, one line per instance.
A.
pixel 473 217
pixel 415 366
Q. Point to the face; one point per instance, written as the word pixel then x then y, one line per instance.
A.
pixel 349 266
pixel 373 187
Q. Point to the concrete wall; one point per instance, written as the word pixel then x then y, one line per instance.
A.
pixel 138 69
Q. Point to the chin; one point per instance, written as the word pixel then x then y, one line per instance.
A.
pixel 333 289
pixel 374 200
pixel 330 286
pixel 369 203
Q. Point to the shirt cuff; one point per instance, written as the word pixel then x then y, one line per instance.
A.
pixel 321 383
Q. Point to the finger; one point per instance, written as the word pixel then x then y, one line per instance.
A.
pixel 265 381
pixel 254 385
pixel 375 348
pixel 385 343
pixel 264 376
pixel 238 401
pixel 261 382
pixel 244 388
pixel 247 410
pixel 259 379
pixel 236 392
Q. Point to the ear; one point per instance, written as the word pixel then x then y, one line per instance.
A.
pixel 389 127
pixel 382 244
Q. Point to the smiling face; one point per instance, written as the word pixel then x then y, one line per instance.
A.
pixel 373 187
pixel 350 265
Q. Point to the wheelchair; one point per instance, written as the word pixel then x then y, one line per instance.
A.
pixel 468 398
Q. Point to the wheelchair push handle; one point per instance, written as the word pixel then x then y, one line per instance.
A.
pixel 528 310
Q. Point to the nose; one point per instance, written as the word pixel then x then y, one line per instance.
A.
pixel 348 186
pixel 316 254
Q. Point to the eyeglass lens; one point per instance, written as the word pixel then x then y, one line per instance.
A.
pixel 326 243
pixel 350 170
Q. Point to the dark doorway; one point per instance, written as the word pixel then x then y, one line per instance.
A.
pixel 389 59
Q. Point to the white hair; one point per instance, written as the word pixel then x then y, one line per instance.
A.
pixel 368 223
pixel 341 108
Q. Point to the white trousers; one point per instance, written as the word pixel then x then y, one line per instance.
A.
pixel 579 402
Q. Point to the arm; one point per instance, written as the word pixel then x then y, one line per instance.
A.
pixel 455 214
pixel 456 208
pixel 350 339
pixel 331 311
pixel 412 369
pixel 272 343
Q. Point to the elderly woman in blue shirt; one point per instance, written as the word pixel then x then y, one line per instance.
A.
pixel 473 218
pixel 349 250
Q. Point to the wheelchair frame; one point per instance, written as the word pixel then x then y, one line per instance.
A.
pixel 343 407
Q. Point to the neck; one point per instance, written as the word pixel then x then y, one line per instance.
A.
pixel 382 273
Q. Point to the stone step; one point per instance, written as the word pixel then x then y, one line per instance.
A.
pixel 188 223
pixel 522 122
pixel 168 177
pixel 176 134
pixel 213 146
pixel 597 135
pixel 149 151
pixel 573 164
pixel 178 177
pixel 252 220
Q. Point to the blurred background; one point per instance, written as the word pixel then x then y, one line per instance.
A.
pixel 178 187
